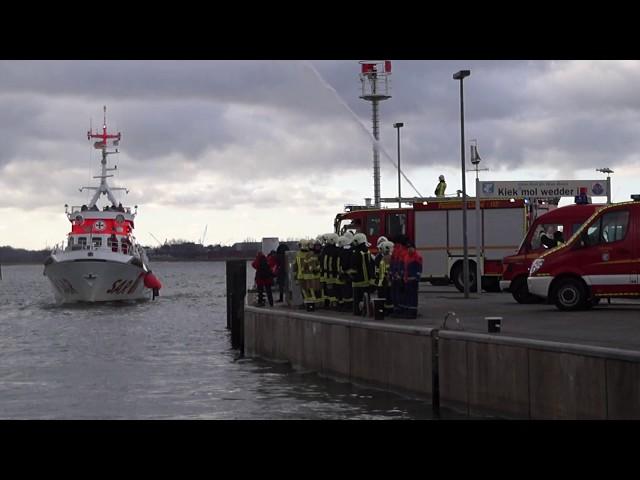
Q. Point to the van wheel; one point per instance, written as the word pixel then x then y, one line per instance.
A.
pixel 457 276
pixel 570 294
pixel 520 292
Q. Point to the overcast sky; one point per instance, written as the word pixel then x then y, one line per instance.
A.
pixel 266 148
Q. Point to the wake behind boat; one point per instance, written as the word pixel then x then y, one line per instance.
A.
pixel 101 260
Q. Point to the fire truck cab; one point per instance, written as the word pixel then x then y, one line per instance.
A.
pixel 435 227
pixel 540 238
pixel 601 260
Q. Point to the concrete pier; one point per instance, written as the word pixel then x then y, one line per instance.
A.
pixel 512 374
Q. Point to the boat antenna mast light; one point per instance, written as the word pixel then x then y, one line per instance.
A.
pixel 102 144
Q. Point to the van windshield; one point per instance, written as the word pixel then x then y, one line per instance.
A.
pixel 543 236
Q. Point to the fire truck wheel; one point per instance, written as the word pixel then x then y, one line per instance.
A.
pixel 520 291
pixel 456 276
pixel 570 294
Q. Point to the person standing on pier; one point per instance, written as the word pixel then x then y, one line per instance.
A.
pixel 264 278
pixel 345 297
pixel 396 272
pixel 412 272
pixel 280 268
pixel 442 186
pixel 329 260
pixel 314 269
pixel 362 271
pixel 300 274
pixel 383 280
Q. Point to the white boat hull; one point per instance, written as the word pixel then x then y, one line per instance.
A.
pixel 96 280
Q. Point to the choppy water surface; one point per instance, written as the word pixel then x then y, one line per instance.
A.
pixel 168 358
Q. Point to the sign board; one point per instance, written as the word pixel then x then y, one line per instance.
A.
pixel 542 188
pixel 269 243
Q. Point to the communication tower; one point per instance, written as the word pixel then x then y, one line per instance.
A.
pixel 374 77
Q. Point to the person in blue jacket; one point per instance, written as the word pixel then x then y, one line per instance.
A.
pixel 412 272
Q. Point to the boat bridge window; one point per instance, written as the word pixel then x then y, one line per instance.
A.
pixel 82 241
pixel 97 242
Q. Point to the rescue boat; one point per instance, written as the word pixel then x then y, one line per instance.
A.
pixel 100 259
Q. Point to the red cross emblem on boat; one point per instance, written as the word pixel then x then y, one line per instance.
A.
pixel 99 225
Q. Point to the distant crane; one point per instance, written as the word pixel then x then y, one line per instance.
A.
pixel 154 237
pixel 204 235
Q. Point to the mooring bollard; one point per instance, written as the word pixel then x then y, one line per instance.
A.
pixel 378 308
pixel 494 324
pixel 236 291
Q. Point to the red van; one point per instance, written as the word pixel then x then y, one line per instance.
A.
pixel 565 220
pixel 601 260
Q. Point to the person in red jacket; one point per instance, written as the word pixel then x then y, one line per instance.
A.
pixel 396 273
pixel 264 278
pixel 412 272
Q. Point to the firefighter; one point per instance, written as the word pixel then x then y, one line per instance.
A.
pixel 379 255
pixel 314 271
pixel 362 272
pixel 329 261
pixel 300 269
pixel 343 265
pixel 558 238
pixel 442 186
pixel 324 270
pixel 383 279
pixel 412 272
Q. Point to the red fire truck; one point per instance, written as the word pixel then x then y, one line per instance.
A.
pixel 435 227
pixel 565 220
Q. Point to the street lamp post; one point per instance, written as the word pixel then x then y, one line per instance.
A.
pixel 607 170
pixel 465 264
pixel 398 126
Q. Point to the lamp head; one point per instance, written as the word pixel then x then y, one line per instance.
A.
pixel 398 125
pixel 461 74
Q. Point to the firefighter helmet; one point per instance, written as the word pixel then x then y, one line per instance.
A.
pixel 381 239
pixel 332 238
pixel 360 239
pixel 343 241
pixel 386 248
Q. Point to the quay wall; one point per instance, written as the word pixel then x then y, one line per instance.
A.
pixel 478 373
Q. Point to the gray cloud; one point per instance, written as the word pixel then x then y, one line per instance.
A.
pixel 187 122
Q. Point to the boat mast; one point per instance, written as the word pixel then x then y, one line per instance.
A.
pixel 102 145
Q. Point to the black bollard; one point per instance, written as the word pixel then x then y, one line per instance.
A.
pixel 378 308
pixel 493 324
pixel 236 291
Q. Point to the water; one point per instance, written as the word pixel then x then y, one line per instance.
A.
pixel 164 359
